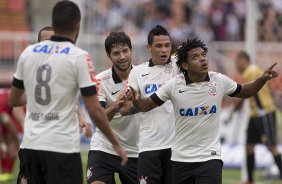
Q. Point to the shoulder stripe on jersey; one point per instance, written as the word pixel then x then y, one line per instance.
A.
pixel 103 104
pixel 88 91
pixel 156 99
pixel 238 89
pixel 18 83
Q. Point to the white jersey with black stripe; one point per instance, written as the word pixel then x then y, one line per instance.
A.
pixel 197 108
pixel 126 128
pixel 157 125
pixel 52 73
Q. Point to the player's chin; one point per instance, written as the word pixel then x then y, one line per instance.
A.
pixel 204 69
pixel 124 67
pixel 164 59
pixel 204 72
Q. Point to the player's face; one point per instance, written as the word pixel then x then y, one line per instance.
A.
pixel 160 49
pixel 121 57
pixel 46 35
pixel 196 61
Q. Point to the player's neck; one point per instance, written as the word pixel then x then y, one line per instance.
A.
pixel 123 74
pixel 197 77
pixel 71 36
pixel 157 62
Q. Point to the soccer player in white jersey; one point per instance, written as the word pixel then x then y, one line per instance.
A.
pixel 45 33
pixel 157 126
pixel 103 161
pixel 51 73
pixel 196 95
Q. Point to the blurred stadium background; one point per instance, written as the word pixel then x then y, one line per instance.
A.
pixel 227 26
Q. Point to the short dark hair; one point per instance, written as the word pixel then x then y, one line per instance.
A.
pixel 116 38
pixel 157 31
pixel 65 17
pixel 182 50
pixel 46 28
pixel 244 55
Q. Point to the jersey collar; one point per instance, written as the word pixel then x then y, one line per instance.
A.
pixel 60 39
pixel 115 76
pixel 151 64
pixel 188 80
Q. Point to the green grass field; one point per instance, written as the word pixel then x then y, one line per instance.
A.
pixel 230 176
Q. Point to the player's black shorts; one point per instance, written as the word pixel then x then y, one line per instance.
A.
pixel 154 167
pixel 46 167
pixel 101 166
pixel 208 172
pixel 262 129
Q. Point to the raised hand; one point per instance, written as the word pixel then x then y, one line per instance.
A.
pixel 270 73
pixel 132 94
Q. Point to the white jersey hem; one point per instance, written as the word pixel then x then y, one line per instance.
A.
pixel 53 149
pixel 196 160
pixel 155 148
pixel 113 152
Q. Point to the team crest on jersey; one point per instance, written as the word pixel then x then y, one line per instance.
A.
pixel 143 179
pixel 212 89
pixel 106 77
pixel 23 180
pixel 89 173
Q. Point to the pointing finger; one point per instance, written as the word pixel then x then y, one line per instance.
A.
pixel 272 66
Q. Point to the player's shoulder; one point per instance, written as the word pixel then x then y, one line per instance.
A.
pixel 140 68
pixel 173 59
pixel 215 75
pixel 104 75
pixel 80 50
pixel 30 48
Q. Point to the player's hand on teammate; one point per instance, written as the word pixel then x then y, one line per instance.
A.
pixel 132 94
pixel 270 73
pixel 121 152
pixel 87 127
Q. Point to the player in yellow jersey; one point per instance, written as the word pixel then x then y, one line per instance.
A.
pixel 262 123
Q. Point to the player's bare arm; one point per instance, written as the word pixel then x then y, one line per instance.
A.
pixel 141 104
pixel 19 115
pixel 17 97
pixel 114 107
pixel 98 115
pixel 252 88
pixel 127 108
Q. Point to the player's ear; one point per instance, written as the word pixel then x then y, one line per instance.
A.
pixel 78 25
pixel 149 48
pixel 185 65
